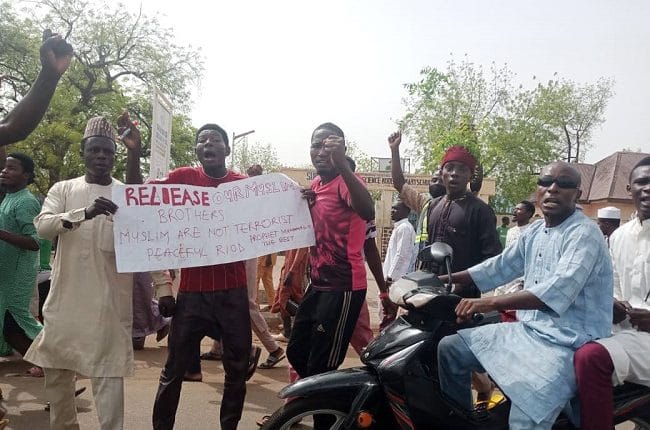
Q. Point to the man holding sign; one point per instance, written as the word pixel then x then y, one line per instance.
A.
pixel 88 310
pixel 210 298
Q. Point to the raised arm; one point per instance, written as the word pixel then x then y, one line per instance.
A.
pixel 360 199
pixel 130 136
pixel 396 172
pixel 56 55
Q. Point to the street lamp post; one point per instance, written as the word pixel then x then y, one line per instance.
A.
pixel 236 137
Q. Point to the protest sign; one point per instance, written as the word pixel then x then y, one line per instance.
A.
pixel 169 226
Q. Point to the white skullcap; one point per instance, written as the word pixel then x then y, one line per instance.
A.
pixel 610 212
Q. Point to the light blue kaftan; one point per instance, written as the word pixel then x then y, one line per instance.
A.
pixel 567 267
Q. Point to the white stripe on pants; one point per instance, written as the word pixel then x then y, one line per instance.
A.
pixel 108 394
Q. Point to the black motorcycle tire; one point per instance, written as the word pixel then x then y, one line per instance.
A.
pixel 642 423
pixel 284 418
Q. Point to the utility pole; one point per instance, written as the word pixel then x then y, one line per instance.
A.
pixel 236 137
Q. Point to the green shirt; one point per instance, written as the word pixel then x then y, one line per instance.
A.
pixel 18 266
pixel 503 233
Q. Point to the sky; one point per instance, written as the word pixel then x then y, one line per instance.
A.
pixel 283 67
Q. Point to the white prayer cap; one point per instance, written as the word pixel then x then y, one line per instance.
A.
pixel 610 212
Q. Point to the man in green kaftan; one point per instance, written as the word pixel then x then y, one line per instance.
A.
pixel 18 255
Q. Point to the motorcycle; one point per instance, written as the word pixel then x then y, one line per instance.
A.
pixel 398 386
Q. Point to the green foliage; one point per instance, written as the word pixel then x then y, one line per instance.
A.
pixel 245 155
pixel 572 112
pixel 18 64
pixel 114 46
pixel 512 131
pixel 119 58
pixel 362 160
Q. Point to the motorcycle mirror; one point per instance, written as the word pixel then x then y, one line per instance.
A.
pixel 440 251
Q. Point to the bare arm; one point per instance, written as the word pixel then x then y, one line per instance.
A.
pixel 131 138
pixel 360 199
pixel 396 172
pixel 374 263
pixel 458 278
pixel 19 240
pixel 468 307
pixel 56 55
pixel 519 300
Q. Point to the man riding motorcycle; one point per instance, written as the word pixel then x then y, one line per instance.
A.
pixel 566 302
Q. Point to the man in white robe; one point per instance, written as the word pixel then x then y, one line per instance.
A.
pixel 88 312
pixel 625 356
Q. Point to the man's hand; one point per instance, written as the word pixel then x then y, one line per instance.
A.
pixel 620 311
pixel 335 146
pixel 468 307
pixel 640 318
pixel 390 312
pixel 394 140
pixel 129 134
pixel 309 195
pixel 56 53
pixel 167 306
pixel 101 206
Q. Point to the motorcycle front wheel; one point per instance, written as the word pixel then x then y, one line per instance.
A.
pixel 318 413
pixel 642 423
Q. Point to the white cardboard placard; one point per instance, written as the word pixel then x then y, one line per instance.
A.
pixel 170 226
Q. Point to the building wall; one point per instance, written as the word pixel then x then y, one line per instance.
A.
pixel 627 209
pixel 591 209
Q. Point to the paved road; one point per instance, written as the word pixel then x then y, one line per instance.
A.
pixel 199 405
pixel 198 409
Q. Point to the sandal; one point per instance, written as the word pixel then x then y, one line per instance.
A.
pixel 212 356
pixel 262 421
pixel 272 360
pixel 496 399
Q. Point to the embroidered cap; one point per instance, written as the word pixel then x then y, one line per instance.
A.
pixel 99 126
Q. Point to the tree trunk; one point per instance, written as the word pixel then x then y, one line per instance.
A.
pixel 568 144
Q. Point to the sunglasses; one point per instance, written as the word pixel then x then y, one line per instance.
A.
pixel 561 181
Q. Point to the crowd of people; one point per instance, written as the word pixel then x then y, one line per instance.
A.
pixel 573 293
